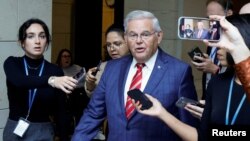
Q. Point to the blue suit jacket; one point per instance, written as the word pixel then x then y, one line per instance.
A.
pixel 170 79
pixel 204 35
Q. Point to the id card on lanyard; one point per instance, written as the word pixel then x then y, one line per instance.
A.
pixel 21 127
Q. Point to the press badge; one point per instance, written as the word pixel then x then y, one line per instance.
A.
pixel 21 127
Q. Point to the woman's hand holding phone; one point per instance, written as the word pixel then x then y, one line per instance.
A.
pixel 90 79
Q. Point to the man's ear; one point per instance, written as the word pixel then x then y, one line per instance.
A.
pixel 160 36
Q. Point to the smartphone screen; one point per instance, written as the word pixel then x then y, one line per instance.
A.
pixel 196 28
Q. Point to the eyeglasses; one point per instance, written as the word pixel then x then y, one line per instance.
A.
pixel 116 44
pixel 144 35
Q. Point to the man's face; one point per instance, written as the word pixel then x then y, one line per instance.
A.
pixel 142 39
pixel 200 25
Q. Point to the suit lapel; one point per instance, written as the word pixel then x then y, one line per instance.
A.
pixel 159 70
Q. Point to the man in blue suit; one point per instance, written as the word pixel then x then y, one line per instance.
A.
pixel 163 77
pixel 201 32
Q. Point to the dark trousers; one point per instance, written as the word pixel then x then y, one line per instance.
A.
pixel 36 132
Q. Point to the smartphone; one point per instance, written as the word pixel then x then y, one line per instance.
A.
pixel 182 102
pixel 196 52
pixel 98 69
pixel 138 95
pixel 80 75
pixel 197 28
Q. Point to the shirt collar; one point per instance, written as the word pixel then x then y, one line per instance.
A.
pixel 150 63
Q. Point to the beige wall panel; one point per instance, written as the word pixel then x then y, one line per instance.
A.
pixel 195 8
pixel 8 20
pixel 135 4
pixel 163 5
pixel 168 24
pixel 35 9
pixel 168 46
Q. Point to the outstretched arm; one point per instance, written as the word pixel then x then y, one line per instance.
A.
pixel 65 83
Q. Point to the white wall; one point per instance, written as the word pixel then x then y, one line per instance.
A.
pixel 12 14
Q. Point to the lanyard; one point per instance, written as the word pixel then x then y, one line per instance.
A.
pixel 228 105
pixel 32 92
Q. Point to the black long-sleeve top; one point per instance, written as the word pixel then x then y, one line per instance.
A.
pixel 216 105
pixel 48 100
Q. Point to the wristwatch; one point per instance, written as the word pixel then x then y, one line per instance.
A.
pixel 51 81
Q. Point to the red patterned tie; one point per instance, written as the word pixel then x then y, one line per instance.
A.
pixel 136 84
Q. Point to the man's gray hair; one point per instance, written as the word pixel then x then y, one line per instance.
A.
pixel 139 14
